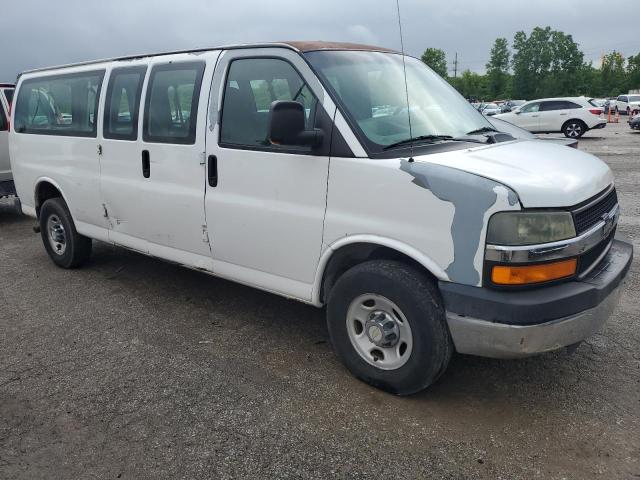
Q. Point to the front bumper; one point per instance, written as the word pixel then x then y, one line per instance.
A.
pixel 513 324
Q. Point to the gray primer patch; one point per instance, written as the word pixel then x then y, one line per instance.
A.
pixel 471 197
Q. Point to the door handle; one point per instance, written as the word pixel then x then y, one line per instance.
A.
pixel 534 116
pixel 212 170
pixel 146 164
pixel 563 114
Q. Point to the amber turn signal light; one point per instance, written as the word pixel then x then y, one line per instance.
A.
pixel 537 273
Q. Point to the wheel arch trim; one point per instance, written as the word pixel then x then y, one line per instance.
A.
pixel 428 263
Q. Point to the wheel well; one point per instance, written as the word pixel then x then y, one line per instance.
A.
pixel 573 120
pixel 45 191
pixel 351 255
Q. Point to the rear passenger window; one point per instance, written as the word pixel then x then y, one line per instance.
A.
pixel 171 107
pixel 59 105
pixel 123 103
pixel 253 84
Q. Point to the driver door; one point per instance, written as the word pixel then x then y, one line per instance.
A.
pixel 265 203
pixel 528 117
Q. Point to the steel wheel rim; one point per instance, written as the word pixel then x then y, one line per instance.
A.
pixel 363 313
pixel 57 235
pixel 574 129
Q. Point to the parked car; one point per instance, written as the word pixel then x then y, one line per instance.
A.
pixel 628 104
pixel 634 123
pixel 6 179
pixel 521 134
pixel 509 105
pixel 490 109
pixel 419 235
pixel 573 116
pixel 609 104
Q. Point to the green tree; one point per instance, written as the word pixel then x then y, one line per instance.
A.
pixel 613 74
pixel 633 72
pixel 437 60
pixel 545 63
pixel 471 84
pixel 498 68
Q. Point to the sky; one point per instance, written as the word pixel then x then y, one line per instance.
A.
pixel 38 33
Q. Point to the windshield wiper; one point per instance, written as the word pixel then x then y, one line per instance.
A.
pixel 481 130
pixel 421 138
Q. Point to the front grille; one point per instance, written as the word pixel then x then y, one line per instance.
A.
pixel 586 260
pixel 589 216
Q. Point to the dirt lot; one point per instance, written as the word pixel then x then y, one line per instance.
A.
pixel 134 368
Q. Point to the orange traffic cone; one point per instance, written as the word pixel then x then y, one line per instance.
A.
pixel 617 120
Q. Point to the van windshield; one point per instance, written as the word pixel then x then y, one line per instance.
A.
pixel 370 87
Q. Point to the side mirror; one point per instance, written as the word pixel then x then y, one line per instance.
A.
pixel 287 125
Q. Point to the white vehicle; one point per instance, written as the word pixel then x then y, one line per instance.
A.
pixel 627 104
pixel 295 168
pixel 573 116
pixel 6 179
pixel 490 109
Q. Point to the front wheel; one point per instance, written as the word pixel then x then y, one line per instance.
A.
pixel 66 247
pixel 388 326
pixel 574 129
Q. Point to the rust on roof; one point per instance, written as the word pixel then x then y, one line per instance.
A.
pixel 310 46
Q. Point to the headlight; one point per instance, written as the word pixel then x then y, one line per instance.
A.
pixel 528 228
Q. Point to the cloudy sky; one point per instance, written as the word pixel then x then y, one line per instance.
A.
pixel 35 33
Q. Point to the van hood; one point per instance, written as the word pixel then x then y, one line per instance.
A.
pixel 543 174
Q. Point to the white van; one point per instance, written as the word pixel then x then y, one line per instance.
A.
pixel 6 179
pixel 299 169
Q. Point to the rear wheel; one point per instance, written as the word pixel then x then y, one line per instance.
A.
pixel 574 129
pixel 388 327
pixel 66 247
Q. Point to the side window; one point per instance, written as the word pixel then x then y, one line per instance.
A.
pixel 171 105
pixel 532 107
pixel 59 105
pixel 624 99
pixel 549 106
pixel 3 119
pixel 123 103
pixel 566 105
pixel 252 85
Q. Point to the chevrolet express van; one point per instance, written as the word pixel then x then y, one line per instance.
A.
pixel 310 171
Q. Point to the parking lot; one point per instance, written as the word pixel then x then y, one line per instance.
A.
pixel 135 368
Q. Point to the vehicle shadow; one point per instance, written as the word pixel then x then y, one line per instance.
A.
pixel 300 330
pixel 9 213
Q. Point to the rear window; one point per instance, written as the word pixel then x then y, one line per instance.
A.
pixel 59 105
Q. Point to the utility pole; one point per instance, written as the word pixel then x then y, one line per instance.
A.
pixel 455 67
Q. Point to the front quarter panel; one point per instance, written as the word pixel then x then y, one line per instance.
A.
pixel 440 211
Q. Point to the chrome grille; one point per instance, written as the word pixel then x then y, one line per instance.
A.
pixel 589 215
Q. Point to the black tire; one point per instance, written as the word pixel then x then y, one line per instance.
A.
pixel 421 304
pixel 629 111
pixel 574 128
pixel 616 110
pixel 74 249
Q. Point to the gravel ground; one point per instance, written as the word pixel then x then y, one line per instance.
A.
pixel 134 368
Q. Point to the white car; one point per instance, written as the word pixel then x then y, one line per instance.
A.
pixel 627 104
pixel 6 179
pixel 299 168
pixel 573 116
pixel 490 109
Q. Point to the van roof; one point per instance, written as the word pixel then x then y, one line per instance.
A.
pixel 299 46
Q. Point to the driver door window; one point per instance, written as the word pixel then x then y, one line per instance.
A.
pixel 252 85
pixel 531 108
